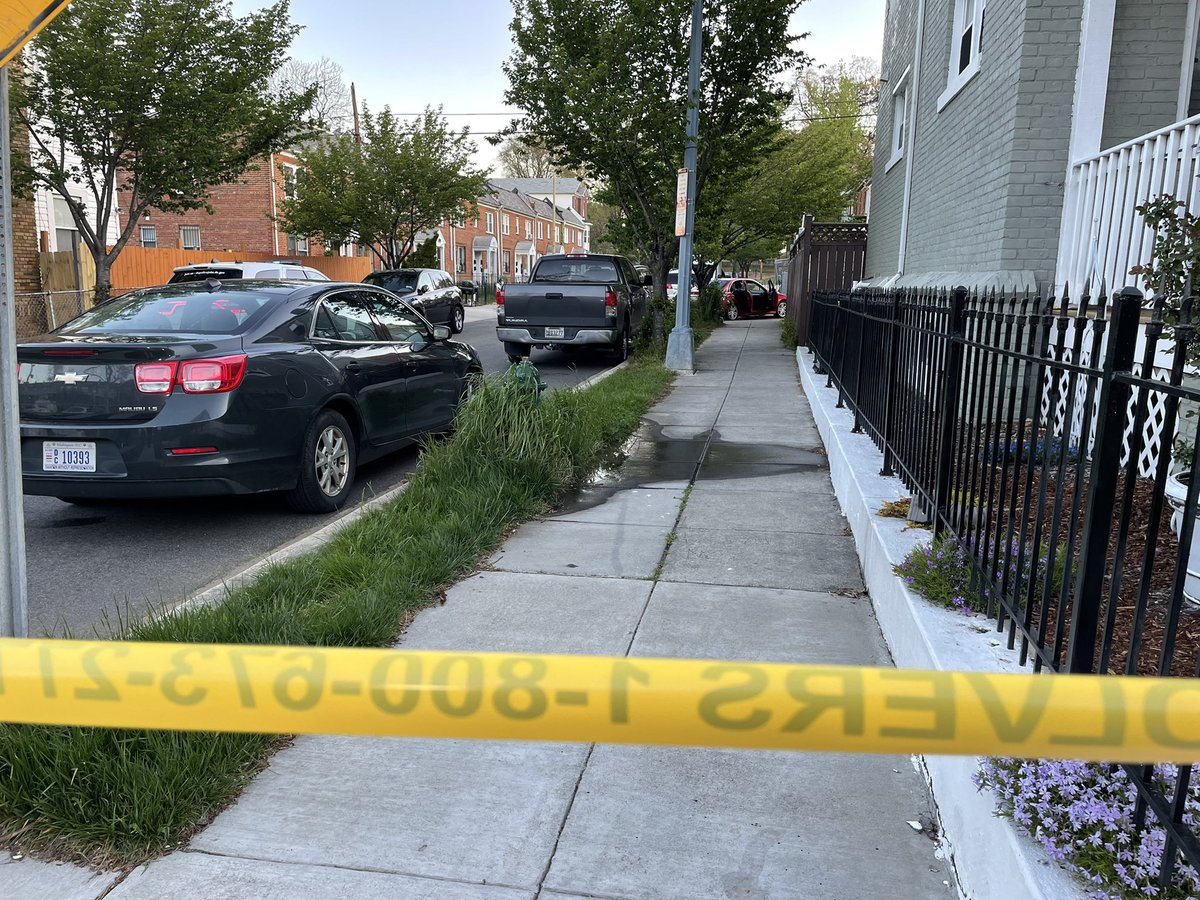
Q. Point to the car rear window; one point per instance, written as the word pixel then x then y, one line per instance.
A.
pixel 221 274
pixel 672 278
pixel 156 312
pixel 576 269
pixel 396 282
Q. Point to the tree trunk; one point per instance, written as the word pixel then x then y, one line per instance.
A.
pixel 660 266
pixel 103 289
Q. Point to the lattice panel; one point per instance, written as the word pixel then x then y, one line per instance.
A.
pixel 1154 441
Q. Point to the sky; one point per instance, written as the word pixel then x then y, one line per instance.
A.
pixel 410 54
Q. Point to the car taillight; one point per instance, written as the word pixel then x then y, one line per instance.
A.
pixel 195 376
pixel 610 302
pixel 155 377
pixel 212 376
pixel 499 296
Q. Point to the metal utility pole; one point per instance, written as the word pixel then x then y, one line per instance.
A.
pixel 681 345
pixel 354 104
pixel 13 616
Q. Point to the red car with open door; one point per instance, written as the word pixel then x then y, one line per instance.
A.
pixel 746 298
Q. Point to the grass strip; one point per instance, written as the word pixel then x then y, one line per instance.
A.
pixel 114 797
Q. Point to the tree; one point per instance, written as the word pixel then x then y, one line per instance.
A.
pixel 603 87
pixel 405 178
pixel 812 168
pixel 330 110
pixel 425 256
pixel 521 159
pixel 160 99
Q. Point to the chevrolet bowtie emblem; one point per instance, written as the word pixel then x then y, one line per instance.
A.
pixel 70 378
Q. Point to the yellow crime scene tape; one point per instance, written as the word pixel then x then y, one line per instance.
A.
pixel 294 690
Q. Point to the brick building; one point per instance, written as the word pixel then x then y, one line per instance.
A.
pixel 512 230
pixel 242 220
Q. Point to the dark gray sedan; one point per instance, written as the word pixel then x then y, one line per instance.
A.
pixel 232 388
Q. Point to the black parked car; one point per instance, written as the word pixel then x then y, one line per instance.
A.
pixel 431 292
pixel 232 388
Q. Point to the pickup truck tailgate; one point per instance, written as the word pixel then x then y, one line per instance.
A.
pixel 571 305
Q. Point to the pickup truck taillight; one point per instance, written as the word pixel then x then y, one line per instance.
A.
pixel 610 302
pixel 499 296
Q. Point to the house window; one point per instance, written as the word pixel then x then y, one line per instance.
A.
pixel 507 261
pixel 148 235
pixel 491 224
pixel 528 230
pixel 541 233
pixel 506 223
pixel 297 245
pixel 189 237
pixel 66 235
pixel 460 258
pixel 966 31
pixel 289 181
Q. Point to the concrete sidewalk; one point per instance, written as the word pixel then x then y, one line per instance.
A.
pixel 760 568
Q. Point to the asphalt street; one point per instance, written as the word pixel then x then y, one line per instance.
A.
pixel 90 567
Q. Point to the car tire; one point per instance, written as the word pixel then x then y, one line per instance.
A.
pixel 621 350
pixel 457 319
pixel 731 312
pixel 781 309
pixel 327 465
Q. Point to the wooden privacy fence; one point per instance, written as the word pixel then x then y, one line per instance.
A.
pixel 146 266
pixel 825 256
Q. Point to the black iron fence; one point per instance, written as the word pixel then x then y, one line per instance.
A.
pixel 1038 434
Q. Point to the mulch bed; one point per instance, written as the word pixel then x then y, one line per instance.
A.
pixel 1162 574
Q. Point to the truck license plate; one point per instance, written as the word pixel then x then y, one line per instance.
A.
pixel 68 456
pixel 555 332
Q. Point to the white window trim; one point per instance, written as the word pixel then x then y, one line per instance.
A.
pixel 199 239
pixel 900 89
pixel 491 224
pixel 955 80
pixel 504 220
pixel 290 170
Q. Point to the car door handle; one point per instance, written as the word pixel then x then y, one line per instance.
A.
pixel 554 296
pixel 353 367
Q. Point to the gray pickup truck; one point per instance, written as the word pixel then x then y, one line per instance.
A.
pixel 576 300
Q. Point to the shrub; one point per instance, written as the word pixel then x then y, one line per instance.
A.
pixel 941 572
pixel 1082 814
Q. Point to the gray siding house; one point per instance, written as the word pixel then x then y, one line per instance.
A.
pixel 1016 137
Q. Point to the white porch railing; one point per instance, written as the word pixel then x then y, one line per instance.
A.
pixel 1102 237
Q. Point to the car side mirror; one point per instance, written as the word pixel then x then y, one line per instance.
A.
pixel 441 333
pixel 647 281
pixel 423 289
pixel 298 329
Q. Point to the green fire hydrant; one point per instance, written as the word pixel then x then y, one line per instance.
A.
pixel 526 377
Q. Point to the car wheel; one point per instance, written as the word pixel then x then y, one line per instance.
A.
pixel 621 351
pixel 457 319
pixel 731 312
pixel 781 309
pixel 327 465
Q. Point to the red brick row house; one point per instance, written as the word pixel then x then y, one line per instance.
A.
pixel 243 217
pixel 516 223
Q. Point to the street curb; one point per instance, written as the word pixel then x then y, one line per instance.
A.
pixel 314 540
pixel 991 859
pixel 600 376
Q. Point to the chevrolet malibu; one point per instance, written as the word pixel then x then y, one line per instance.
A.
pixel 233 388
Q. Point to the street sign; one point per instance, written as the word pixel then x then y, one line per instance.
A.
pixel 681 197
pixel 20 20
